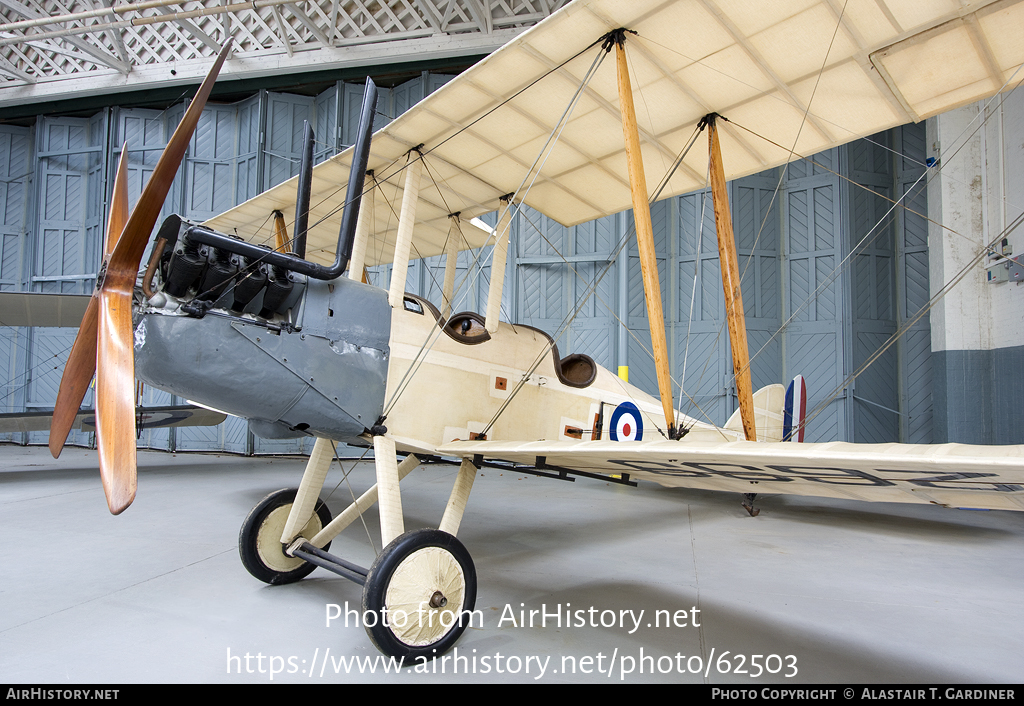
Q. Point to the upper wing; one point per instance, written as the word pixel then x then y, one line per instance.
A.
pixel 956 475
pixel 857 68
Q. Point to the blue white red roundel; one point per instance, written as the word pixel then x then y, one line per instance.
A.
pixel 626 423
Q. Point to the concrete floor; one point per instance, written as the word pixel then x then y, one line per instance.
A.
pixel 857 593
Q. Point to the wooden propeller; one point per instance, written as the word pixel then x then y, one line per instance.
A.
pixel 104 345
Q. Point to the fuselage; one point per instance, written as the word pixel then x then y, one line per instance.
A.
pixel 345 362
pixel 449 379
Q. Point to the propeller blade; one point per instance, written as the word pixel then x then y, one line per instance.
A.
pixel 118 204
pixel 105 339
pixel 81 365
pixel 115 359
pixel 130 247
pixel 115 398
pixel 74 383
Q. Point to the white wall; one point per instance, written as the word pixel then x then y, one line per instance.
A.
pixel 975 191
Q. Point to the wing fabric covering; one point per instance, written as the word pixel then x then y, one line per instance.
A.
pixel 802 75
pixel 955 475
pixel 104 342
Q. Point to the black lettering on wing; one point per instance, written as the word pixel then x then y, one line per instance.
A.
pixel 829 475
pixel 832 476
pixel 945 481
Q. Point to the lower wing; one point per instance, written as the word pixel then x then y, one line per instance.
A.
pixel 952 475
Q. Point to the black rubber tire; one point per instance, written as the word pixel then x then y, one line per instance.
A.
pixel 379 579
pixel 248 539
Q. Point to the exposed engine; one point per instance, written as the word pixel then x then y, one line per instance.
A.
pixel 197 277
pixel 292 345
pixel 220 324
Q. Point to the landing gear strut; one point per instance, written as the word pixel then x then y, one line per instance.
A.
pixel 420 592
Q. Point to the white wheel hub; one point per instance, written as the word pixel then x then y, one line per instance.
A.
pixel 425 596
pixel 268 539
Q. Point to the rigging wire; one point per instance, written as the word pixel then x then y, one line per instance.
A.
pixel 792 150
pixel 348 484
pixel 946 288
pixel 756 90
pixel 748 264
pixel 875 230
pixel 435 332
pixel 592 288
pixel 455 134
pixel 842 265
pixel 693 292
pixel 626 238
pixel 535 171
pixel 778 186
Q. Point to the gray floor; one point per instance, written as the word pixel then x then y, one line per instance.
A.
pixel 855 592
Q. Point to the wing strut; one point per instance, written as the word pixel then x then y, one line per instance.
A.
pixel 280 233
pixel 498 264
pixel 731 281
pixel 451 254
pixel 644 232
pixel 406 220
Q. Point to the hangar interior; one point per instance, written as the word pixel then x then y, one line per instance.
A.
pixel 831 269
pixel 832 272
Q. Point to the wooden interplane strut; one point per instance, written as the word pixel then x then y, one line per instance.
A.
pixel 731 283
pixel 280 232
pixel 645 236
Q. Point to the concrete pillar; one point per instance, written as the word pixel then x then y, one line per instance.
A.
pixel 978 327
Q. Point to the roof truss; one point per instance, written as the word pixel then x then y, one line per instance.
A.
pixel 67 48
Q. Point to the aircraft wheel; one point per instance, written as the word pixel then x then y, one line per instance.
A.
pixel 259 541
pixel 421 591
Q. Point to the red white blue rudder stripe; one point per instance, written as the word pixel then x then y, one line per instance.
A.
pixel 795 410
pixel 626 423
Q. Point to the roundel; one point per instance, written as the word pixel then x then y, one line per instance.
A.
pixel 626 423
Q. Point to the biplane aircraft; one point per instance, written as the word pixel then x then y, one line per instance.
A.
pixel 290 337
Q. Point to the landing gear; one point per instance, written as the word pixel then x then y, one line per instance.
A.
pixel 748 504
pixel 422 590
pixel 259 541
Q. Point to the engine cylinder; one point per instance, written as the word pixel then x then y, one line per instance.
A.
pixel 186 265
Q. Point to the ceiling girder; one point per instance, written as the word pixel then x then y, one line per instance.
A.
pixel 126 44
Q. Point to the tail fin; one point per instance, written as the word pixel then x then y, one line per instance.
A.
pixel 778 415
pixel 768 402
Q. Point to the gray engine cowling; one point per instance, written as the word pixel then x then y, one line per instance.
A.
pixel 323 375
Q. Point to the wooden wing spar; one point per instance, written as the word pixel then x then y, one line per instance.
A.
pixel 805 75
